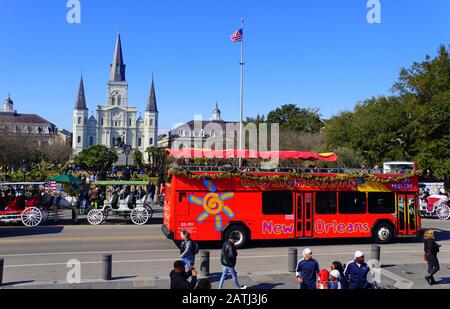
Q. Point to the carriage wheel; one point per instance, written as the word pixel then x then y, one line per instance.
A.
pixel 95 217
pixel 443 212
pixel 140 216
pixel 31 217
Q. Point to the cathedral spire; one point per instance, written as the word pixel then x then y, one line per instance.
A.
pixel 81 98
pixel 151 105
pixel 117 66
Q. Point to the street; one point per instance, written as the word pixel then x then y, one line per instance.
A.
pixel 40 254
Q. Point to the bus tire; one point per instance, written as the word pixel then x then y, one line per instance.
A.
pixel 242 233
pixel 383 233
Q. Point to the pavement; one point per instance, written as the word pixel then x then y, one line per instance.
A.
pixel 142 257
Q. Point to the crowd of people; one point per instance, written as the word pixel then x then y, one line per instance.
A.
pixel 96 197
pixel 354 275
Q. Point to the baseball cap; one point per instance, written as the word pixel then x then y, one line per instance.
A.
pixel 336 274
pixel 359 254
pixel 307 251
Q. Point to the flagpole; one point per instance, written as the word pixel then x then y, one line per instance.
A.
pixel 241 125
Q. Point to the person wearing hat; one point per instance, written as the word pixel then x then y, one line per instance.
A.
pixel 356 273
pixel 334 283
pixel 179 277
pixel 228 259
pixel 307 271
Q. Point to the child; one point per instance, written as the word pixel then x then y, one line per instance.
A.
pixel 323 279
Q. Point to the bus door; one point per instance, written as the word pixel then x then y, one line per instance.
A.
pixel 304 215
pixel 407 214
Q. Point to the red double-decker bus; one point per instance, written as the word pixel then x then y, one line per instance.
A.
pixel 290 205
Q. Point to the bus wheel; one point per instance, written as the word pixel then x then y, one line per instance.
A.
pixel 383 233
pixel 241 233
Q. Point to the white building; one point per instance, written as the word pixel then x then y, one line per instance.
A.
pixel 115 122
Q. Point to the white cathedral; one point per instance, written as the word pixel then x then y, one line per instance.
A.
pixel 116 123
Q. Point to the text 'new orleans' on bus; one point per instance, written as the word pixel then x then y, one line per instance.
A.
pixel 331 203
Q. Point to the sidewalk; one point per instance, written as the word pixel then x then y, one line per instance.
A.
pixel 393 277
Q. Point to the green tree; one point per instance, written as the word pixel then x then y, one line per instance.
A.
pixel 96 159
pixel 291 117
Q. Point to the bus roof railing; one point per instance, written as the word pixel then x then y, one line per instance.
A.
pixel 225 168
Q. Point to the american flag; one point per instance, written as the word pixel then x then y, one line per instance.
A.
pixel 237 36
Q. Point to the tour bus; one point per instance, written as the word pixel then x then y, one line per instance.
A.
pixel 211 205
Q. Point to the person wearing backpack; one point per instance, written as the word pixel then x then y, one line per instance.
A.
pixel 188 250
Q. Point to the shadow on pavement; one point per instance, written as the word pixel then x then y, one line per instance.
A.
pixel 16 283
pixel 123 278
pixel 265 286
pixel 24 231
pixel 443 281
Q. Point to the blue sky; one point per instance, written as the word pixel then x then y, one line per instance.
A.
pixel 313 53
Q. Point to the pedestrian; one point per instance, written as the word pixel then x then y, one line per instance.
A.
pixel 431 249
pixel 229 260
pixel 114 170
pixel 356 273
pixel 324 277
pixel 336 265
pixel 334 282
pixel 179 277
pixel 188 250
pixel 307 271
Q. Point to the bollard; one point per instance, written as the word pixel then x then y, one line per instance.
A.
pixel 107 267
pixel 376 252
pixel 204 263
pixel 292 260
pixel 2 264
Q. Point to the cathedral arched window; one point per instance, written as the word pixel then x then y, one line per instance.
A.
pixel 79 120
pixel 91 141
pixel 79 139
pixel 129 122
pixel 151 142
pixel 139 142
pixel 119 100
pixel 151 122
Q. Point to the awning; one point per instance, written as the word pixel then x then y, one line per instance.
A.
pixel 249 154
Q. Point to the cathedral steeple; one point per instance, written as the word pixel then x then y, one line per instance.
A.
pixel 80 104
pixel 151 105
pixel 117 66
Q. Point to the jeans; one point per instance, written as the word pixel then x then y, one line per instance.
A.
pixel 433 265
pixel 233 272
pixel 188 263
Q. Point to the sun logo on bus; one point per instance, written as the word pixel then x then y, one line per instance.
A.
pixel 213 205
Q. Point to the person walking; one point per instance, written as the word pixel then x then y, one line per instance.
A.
pixel 431 249
pixel 179 277
pixel 356 273
pixel 334 283
pixel 307 271
pixel 188 250
pixel 336 265
pixel 229 260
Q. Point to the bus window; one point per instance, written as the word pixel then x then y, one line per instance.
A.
pixel 326 203
pixel 381 203
pixel 352 202
pixel 277 203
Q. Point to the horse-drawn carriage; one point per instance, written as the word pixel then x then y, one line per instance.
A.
pixel 137 209
pixel 20 205
pixel 435 206
pixel 31 204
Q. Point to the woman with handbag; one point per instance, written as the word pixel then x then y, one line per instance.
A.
pixel 431 249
